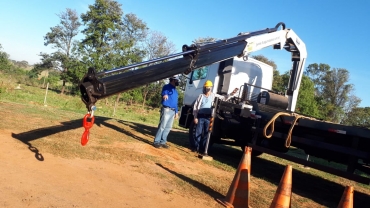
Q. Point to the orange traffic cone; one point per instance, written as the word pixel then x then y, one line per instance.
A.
pixel 241 198
pixel 284 191
pixel 238 194
pixel 347 198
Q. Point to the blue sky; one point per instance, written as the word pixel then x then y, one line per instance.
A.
pixel 335 32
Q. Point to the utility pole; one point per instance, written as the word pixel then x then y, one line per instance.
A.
pixel 46 93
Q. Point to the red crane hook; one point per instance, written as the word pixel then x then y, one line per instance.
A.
pixel 87 125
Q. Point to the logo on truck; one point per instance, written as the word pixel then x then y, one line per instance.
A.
pixel 267 42
pixel 297 41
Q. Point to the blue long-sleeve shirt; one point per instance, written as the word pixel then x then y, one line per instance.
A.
pixel 173 96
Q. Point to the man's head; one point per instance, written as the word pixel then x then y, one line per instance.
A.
pixel 174 81
pixel 207 86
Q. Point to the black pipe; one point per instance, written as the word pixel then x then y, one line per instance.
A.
pixel 123 68
pixel 199 47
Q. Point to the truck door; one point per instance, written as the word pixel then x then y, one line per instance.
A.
pixel 194 88
pixel 199 77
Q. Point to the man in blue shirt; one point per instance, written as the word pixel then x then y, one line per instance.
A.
pixel 168 112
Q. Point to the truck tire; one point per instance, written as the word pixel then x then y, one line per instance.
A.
pixel 192 129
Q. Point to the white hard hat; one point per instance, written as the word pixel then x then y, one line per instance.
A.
pixel 174 77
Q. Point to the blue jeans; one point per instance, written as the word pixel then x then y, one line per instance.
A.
pixel 201 133
pixel 164 126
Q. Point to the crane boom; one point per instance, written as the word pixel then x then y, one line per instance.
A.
pixel 95 86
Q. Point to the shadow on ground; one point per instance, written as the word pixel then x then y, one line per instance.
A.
pixel 194 183
pixel 28 136
pixel 322 191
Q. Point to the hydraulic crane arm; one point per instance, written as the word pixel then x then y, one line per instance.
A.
pixel 288 40
pixel 95 86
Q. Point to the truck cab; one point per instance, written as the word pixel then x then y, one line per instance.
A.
pixel 226 76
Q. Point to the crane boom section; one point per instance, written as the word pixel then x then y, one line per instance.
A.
pixel 288 40
pixel 95 86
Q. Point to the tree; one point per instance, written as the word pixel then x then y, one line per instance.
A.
pixel 102 21
pixel 336 91
pixel 277 83
pixel 127 43
pixel 53 77
pixel 332 90
pixel 111 39
pixel 317 72
pixel 76 70
pixel 358 117
pixel 204 40
pixel 156 45
pixel 21 64
pixel 61 38
pixel 4 60
pixel 135 32
pixel 306 102
pixel 47 63
pixel 353 102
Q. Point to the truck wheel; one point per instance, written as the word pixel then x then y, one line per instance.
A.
pixel 192 129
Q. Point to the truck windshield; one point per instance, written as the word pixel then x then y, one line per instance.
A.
pixel 200 73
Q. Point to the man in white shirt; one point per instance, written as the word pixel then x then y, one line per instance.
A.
pixel 202 112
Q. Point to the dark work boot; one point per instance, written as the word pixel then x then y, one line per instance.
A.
pixel 165 146
pixel 156 145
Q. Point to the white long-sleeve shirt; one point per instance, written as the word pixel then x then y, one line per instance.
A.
pixel 198 102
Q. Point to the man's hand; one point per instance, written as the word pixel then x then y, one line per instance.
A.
pixel 165 97
pixel 195 121
pixel 176 115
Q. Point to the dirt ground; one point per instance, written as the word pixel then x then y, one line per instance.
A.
pixel 59 182
pixel 44 165
pixel 32 175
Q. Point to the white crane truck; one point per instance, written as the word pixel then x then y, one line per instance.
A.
pixel 257 117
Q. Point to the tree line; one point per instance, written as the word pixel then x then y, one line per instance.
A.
pixel 324 93
pixel 111 39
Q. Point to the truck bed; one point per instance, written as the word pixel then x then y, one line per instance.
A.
pixel 348 145
pixel 316 124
